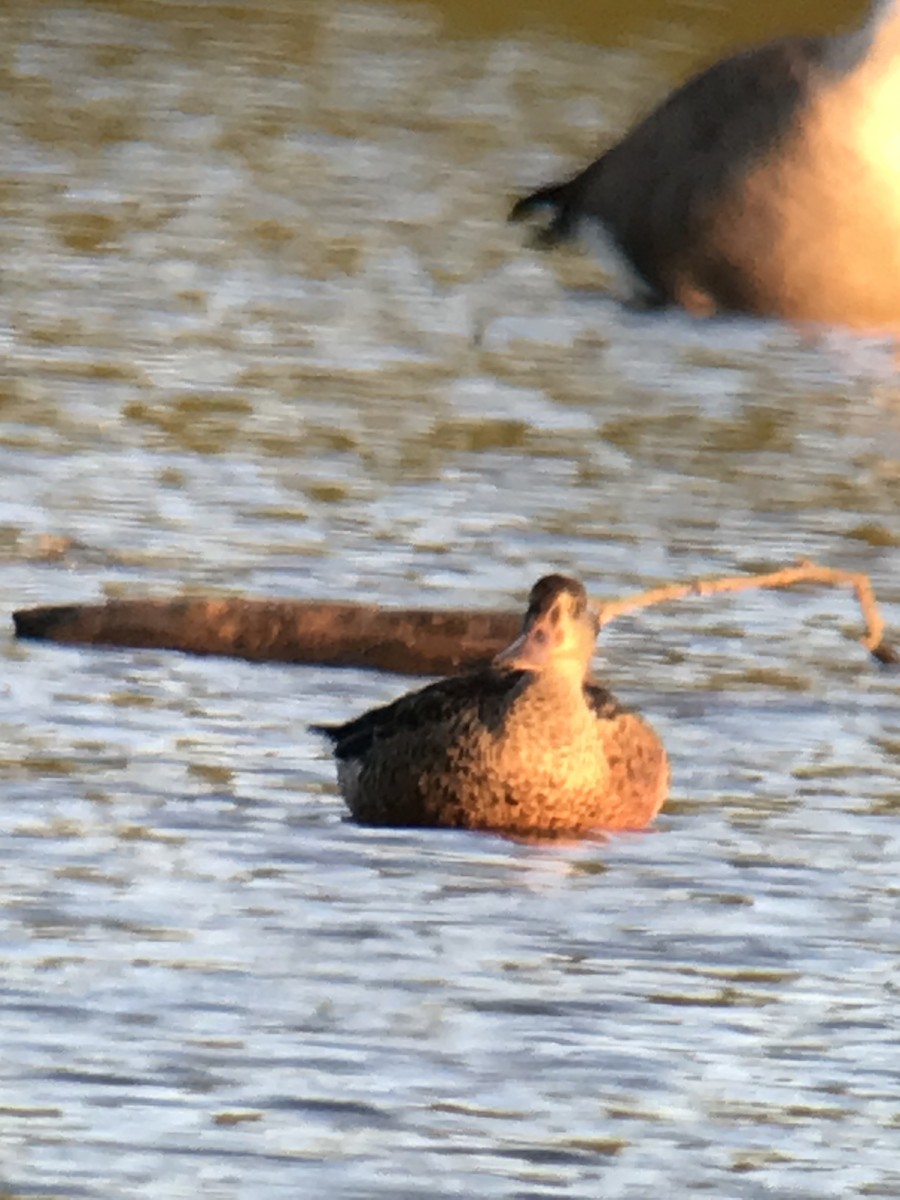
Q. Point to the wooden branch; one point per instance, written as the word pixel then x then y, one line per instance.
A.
pixel 804 572
pixel 408 641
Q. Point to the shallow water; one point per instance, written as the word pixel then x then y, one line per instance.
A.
pixel 265 332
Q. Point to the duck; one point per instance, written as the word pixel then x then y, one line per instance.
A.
pixel 767 184
pixel 528 745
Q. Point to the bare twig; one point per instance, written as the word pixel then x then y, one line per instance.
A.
pixel 412 641
pixel 804 572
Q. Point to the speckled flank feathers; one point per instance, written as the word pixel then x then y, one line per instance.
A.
pixel 527 746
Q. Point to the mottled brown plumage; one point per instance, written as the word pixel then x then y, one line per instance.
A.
pixel 529 745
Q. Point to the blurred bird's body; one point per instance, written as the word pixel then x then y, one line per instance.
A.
pixel 769 183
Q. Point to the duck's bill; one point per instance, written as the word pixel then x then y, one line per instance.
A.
pixel 528 652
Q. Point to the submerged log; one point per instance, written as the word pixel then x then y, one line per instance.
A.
pixel 417 641
pixel 410 641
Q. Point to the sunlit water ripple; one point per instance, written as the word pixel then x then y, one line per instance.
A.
pixel 265 332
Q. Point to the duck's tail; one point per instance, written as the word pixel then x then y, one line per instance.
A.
pixel 332 732
pixel 552 199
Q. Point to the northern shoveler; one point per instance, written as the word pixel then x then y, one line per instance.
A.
pixel 529 745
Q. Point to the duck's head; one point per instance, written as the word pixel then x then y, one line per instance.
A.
pixel 559 631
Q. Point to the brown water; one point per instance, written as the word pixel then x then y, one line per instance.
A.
pixel 265 331
pixel 700 23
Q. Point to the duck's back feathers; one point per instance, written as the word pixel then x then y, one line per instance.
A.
pixel 482 692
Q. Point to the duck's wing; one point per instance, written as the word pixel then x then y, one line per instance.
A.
pixel 602 702
pixel 480 691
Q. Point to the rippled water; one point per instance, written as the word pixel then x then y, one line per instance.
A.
pixel 265 332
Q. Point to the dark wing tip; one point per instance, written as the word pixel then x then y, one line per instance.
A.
pixel 523 208
pixel 550 199
pixel 332 732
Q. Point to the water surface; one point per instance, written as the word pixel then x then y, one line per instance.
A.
pixel 265 332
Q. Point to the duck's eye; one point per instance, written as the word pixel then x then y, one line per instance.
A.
pixel 540 636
